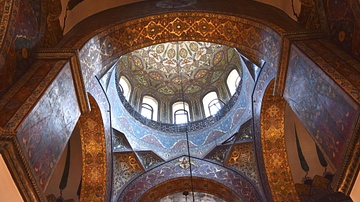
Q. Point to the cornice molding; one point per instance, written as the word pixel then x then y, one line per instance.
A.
pixel 347 174
pixel 18 167
pixel 72 55
pixel 288 38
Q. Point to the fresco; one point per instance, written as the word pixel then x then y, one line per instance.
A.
pixel 219 153
pixel 276 180
pixel 242 158
pixel 327 112
pixel 22 36
pixel 123 38
pixel 339 66
pixel 127 166
pixel 273 146
pixel 170 145
pixel 29 86
pixel 191 65
pixel 344 24
pixel 149 159
pixel 96 91
pixel 43 135
pixel 94 158
pixel 201 169
pixel 167 146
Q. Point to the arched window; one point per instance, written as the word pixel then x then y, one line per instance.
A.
pixel 181 112
pixel 147 111
pixel 149 107
pixel 215 105
pixel 233 81
pixel 125 87
pixel 211 104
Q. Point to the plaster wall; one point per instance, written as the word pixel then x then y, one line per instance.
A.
pixel 355 192
pixel 8 189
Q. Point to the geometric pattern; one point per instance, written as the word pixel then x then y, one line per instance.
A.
pixel 93 186
pixel 120 143
pixel 171 67
pixel 13 28
pixel 171 170
pixel 245 132
pixel 126 167
pixel 274 148
pixel 242 158
pixel 218 154
pixel 251 36
pixel 149 159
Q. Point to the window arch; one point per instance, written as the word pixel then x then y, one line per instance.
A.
pixel 149 107
pixel 125 87
pixel 215 105
pixel 211 103
pixel 233 81
pixel 181 112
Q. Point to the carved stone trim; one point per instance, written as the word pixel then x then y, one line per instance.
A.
pixel 18 167
pixel 285 52
pixel 9 12
pixel 26 106
pixel 73 56
pixel 347 174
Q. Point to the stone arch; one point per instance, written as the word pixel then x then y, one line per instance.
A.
pixel 229 181
pixel 273 145
pixel 183 183
pixel 255 38
pixel 93 145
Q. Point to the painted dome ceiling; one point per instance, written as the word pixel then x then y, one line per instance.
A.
pixel 161 69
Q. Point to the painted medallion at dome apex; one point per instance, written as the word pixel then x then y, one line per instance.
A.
pixel 162 68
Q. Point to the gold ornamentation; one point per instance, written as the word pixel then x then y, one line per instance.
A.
pixel 274 149
pixel 184 162
pixel 15 160
pixel 53 29
pixel 94 172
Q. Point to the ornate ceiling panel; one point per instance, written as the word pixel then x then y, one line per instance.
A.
pixel 242 158
pixel 172 177
pixel 149 159
pixel 218 154
pixel 120 143
pixel 163 69
pixel 126 167
pixel 245 133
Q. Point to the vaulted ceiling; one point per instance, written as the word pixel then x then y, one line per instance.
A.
pixel 230 147
pixel 166 69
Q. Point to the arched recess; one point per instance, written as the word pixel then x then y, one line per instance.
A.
pixel 183 184
pixel 117 42
pixel 256 40
pixel 101 42
pixel 274 148
pixel 155 183
pixel 94 172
